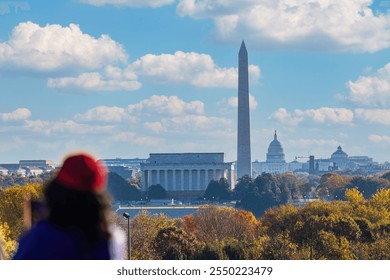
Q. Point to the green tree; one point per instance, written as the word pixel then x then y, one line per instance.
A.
pixel 386 176
pixel 156 192
pixel 368 186
pixel 258 203
pixel 120 189
pixel 244 185
pixel 211 251
pixel 218 190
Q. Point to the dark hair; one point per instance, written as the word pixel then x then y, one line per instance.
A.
pixel 85 211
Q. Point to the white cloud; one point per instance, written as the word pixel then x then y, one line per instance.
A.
pixel 315 24
pixel 282 116
pixel 18 114
pixel 54 48
pixel 372 90
pixel 187 123
pixel 381 116
pixel 133 138
pixel 68 126
pixel 96 81
pixel 196 69
pixel 156 127
pixel 171 105
pixel 75 61
pixel 377 139
pixel 335 115
pixel 321 115
pixel 129 3
pixel 313 143
pixel 106 114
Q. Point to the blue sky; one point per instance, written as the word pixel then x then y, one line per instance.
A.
pixel 125 78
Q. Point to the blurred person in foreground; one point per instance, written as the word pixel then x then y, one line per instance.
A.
pixel 78 209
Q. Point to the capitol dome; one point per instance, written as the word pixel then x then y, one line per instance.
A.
pixel 275 151
pixel 339 158
pixel 339 154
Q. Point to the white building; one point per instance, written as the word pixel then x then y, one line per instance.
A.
pixel 275 162
pixel 185 173
pixel 33 171
pixel 126 168
pixel 46 165
pixel 339 158
pixel 3 171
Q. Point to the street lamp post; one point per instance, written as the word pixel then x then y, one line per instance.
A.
pixel 127 216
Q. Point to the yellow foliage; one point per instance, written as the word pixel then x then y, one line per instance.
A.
pixel 7 243
pixel 11 205
pixel 381 199
pixel 144 229
pixel 354 196
pixel 221 223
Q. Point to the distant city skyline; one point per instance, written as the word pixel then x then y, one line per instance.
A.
pixel 128 78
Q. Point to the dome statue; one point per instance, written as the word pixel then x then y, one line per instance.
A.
pixel 340 158
pixel 275 151
pixel 339 154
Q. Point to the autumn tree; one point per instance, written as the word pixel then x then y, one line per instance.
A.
pixel 368 186
pixel 144 229
pixel 6 240
pixel 221 223
pixel 11 206
pixel 332 186
pixel 172 243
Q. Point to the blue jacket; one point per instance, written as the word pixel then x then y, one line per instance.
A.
pixel 47 242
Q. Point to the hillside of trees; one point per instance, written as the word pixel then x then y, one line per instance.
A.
pixel 351 220
pixel 357 228
pixel 266 191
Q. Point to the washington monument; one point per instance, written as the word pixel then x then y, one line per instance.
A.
pixel 243 131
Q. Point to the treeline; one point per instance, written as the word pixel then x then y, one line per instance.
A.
pixel 19 180
pixel 357 228
pixel 333 185
pixel 267 190
pixel 353 224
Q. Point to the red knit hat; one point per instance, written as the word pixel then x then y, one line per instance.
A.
pixel 82 172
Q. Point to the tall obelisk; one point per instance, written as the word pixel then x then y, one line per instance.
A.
pixel 244 164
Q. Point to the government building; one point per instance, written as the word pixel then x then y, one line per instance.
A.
pixel 185 174
pixel 275 161
pixel 338 161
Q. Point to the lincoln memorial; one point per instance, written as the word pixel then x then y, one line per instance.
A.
pixel 185 174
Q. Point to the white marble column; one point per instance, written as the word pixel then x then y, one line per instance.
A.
pixel 190 185
pixel 165 179
pixel 182 179
pixel 199 186
pixel 174 187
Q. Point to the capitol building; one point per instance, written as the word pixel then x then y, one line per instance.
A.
pixel 275 161
pixel 338 161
